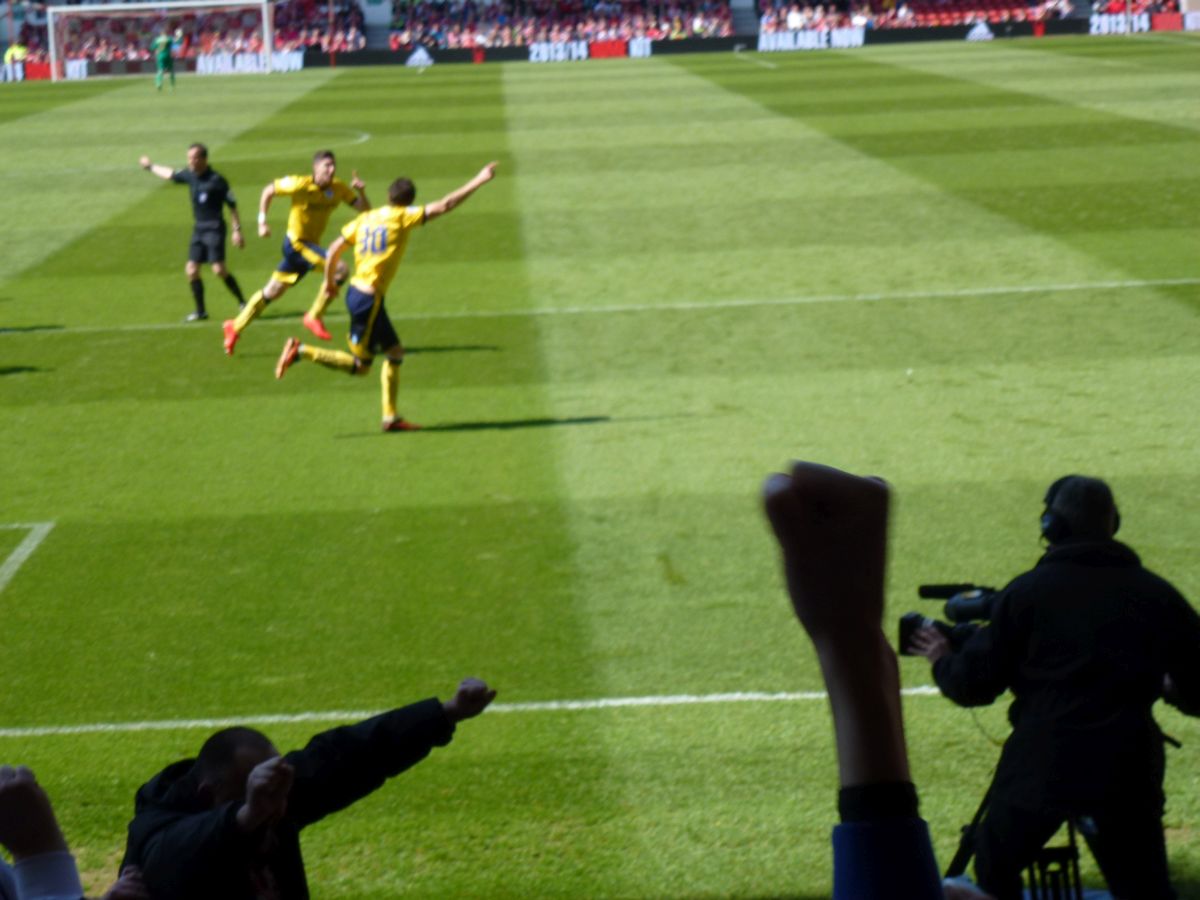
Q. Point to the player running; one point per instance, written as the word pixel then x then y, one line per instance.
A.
pixel 379 238
pixel 314 198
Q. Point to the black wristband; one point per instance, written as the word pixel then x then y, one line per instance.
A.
pixel 872 802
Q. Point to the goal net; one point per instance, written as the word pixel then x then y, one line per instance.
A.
pixel 111 32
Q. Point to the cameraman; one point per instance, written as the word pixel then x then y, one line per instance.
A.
pixel 1087 641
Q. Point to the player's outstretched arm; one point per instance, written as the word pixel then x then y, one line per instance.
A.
pixel 362 204
pixel 264 204
pixel 456 197
pixel 832 532
pixel 164 172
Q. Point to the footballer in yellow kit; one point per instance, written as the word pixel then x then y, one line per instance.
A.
pixel 313 199
pixel 379 237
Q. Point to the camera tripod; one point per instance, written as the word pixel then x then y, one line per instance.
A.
pixel 1053 874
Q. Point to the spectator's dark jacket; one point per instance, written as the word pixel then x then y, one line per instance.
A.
pixel 188 851
pixel 1083 640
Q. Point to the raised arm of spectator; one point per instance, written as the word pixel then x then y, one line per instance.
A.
pixel 832 532
pixel 29 831
pixel 345 764
pixel 164 172
pixel 456 197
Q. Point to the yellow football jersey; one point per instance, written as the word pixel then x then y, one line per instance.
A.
pixel 311 205
pixel 379 237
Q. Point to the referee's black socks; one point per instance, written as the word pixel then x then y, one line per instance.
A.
pixel 198 294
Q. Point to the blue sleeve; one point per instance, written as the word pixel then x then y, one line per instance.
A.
pixel 48 876
pixel 8 887
pixel 884 859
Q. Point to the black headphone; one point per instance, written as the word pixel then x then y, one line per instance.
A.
pixel 1076 504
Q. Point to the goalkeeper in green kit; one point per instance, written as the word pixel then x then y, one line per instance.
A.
pixel 163 46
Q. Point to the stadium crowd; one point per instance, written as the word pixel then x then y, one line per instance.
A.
pixel 514 23
pixel 298 25
pixel 443 24
pixel 783 16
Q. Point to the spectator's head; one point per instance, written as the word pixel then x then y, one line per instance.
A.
pixel 197 157
pixel 324 167
pixel 402 192
pixel 1079 508
pixel 225 761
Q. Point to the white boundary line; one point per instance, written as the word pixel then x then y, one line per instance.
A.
pixel 37 534
pixel 748 57
pixel 924 690
pixel 686 306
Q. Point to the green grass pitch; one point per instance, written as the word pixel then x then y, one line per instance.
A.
pixel 969 268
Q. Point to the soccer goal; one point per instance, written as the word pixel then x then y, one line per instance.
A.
pixel 124 31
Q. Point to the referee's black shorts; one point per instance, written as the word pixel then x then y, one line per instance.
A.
pixel 208 245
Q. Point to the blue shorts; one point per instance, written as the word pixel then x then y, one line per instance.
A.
pixel 371 330
pixel 299 258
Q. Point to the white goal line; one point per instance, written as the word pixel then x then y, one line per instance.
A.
pixel 924 690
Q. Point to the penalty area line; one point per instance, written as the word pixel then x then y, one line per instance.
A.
pixel 535 706
pixel 25 549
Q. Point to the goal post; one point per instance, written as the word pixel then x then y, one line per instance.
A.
pixel 146 19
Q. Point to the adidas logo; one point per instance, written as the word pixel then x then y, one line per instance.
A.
pixel 419 59
pixel 980 32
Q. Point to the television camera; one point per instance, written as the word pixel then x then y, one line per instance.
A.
pixel 966 606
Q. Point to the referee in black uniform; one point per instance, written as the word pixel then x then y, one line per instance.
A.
pixel 210 191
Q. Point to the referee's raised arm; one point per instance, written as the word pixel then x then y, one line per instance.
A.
pixel 164 172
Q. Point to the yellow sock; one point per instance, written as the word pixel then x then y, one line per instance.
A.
pixel 332 359
pixel 254 307
pixel 317 310
pixel 389 381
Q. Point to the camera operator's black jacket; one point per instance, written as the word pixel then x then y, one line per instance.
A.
pixel 1083 640
pixel 187 849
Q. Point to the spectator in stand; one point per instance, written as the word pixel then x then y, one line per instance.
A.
pixel 226 825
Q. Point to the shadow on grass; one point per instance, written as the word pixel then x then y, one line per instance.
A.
pixel 17 370
pixel 497 425
pixel 507 425
pixel 452 348
pixel 22 329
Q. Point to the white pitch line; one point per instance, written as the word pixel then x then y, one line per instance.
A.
pixel 924 690
pixel 686 306
pixel 754 59
pixel 37 534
